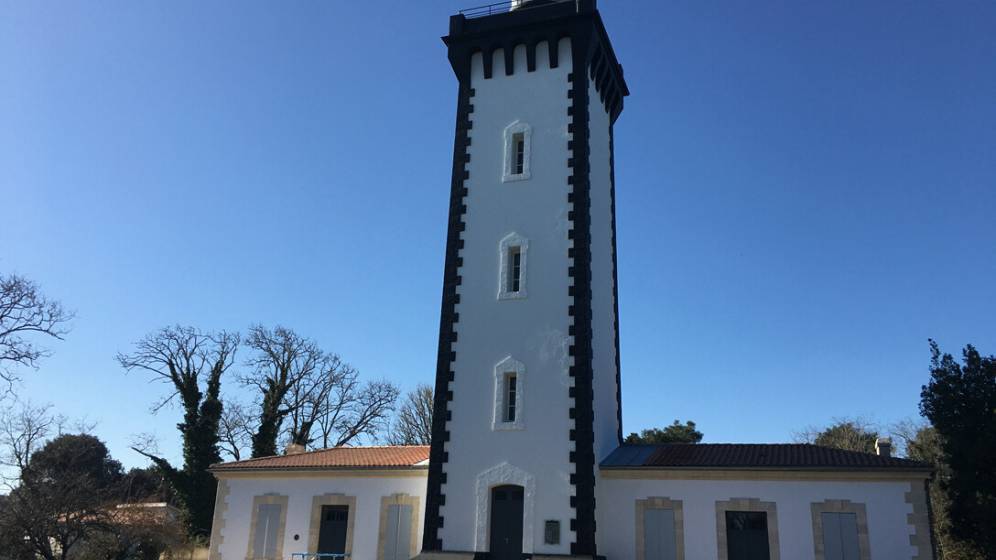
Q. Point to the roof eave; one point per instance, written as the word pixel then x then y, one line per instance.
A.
pixel 652 468
pixel 220 469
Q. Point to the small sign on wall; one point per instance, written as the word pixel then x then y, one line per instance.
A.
pixel 551 532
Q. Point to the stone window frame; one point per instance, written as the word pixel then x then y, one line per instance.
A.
pixel 399 499
pixel 512 240
pixel 747 504
pixel 508 365
pixel 316 518
pixel 268 499
pixel 679 524
pixel 508 174
pixel 840 506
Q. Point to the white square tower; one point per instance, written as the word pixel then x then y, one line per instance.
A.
pixel 527 382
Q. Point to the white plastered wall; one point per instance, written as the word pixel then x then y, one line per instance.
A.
pixel 885 501
pixel 602 304
pixel 534 329
pixel 300 491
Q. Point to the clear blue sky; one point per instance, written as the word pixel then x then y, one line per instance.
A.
pixel 806 193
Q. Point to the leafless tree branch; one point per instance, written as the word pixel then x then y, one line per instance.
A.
pixel 316 392
pixel 235 430
pixel 183 358
pixel 23 430
pixel 25 311
pixel 413 424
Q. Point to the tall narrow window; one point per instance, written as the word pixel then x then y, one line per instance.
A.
pixel 512 267
pixel 519 143
pixel 509 380
pixel 517 152
pixel 510 390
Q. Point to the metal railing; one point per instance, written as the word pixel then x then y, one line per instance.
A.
pixel 318 556
pixel 497 8
pixel 487 10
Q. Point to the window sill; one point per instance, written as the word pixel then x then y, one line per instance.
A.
pixel 510 178
pixel 521 294
pixel 507 426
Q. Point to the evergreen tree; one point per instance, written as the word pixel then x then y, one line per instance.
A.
pixel 960 402
pixel 63 496
pixel 191 362
pixel 675 433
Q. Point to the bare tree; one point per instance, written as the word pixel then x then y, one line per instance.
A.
pixel 25 311
pixel 236 428
pixel 282 363
pixel 908 435
pixel 23 430
pixel 413 424
pixel 191 363
pixel 313 395
pixel 319 395
pixel 356 410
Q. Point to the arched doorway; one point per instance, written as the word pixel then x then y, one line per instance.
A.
pixel 506 522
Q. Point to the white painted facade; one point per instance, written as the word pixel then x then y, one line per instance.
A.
pixel 604 373
pixel 231 540
pixel 532 330
pixel 885 502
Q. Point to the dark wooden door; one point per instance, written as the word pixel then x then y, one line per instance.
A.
pixel 747 535
pixel 332 530
pixel 506 523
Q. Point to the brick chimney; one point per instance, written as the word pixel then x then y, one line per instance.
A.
pixel 883 447
pixel 294 449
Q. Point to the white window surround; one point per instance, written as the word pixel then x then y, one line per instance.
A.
pixel 512 240
pixel 502 369
pixel 508 170
pixel 504 473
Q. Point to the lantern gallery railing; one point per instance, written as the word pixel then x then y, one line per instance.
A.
pixel 499 8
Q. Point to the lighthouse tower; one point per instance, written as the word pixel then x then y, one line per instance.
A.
pixel 527 383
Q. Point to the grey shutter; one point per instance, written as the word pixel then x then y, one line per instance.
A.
pixel 831 537
pixel 840 536
pixel 265 540
pixel 658 534
pixel 398 532
pixel 849 536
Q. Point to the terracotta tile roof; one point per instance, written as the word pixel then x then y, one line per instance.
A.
pixel 382 457
pixel 751 455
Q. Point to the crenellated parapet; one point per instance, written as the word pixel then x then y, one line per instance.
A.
pixel 535 25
